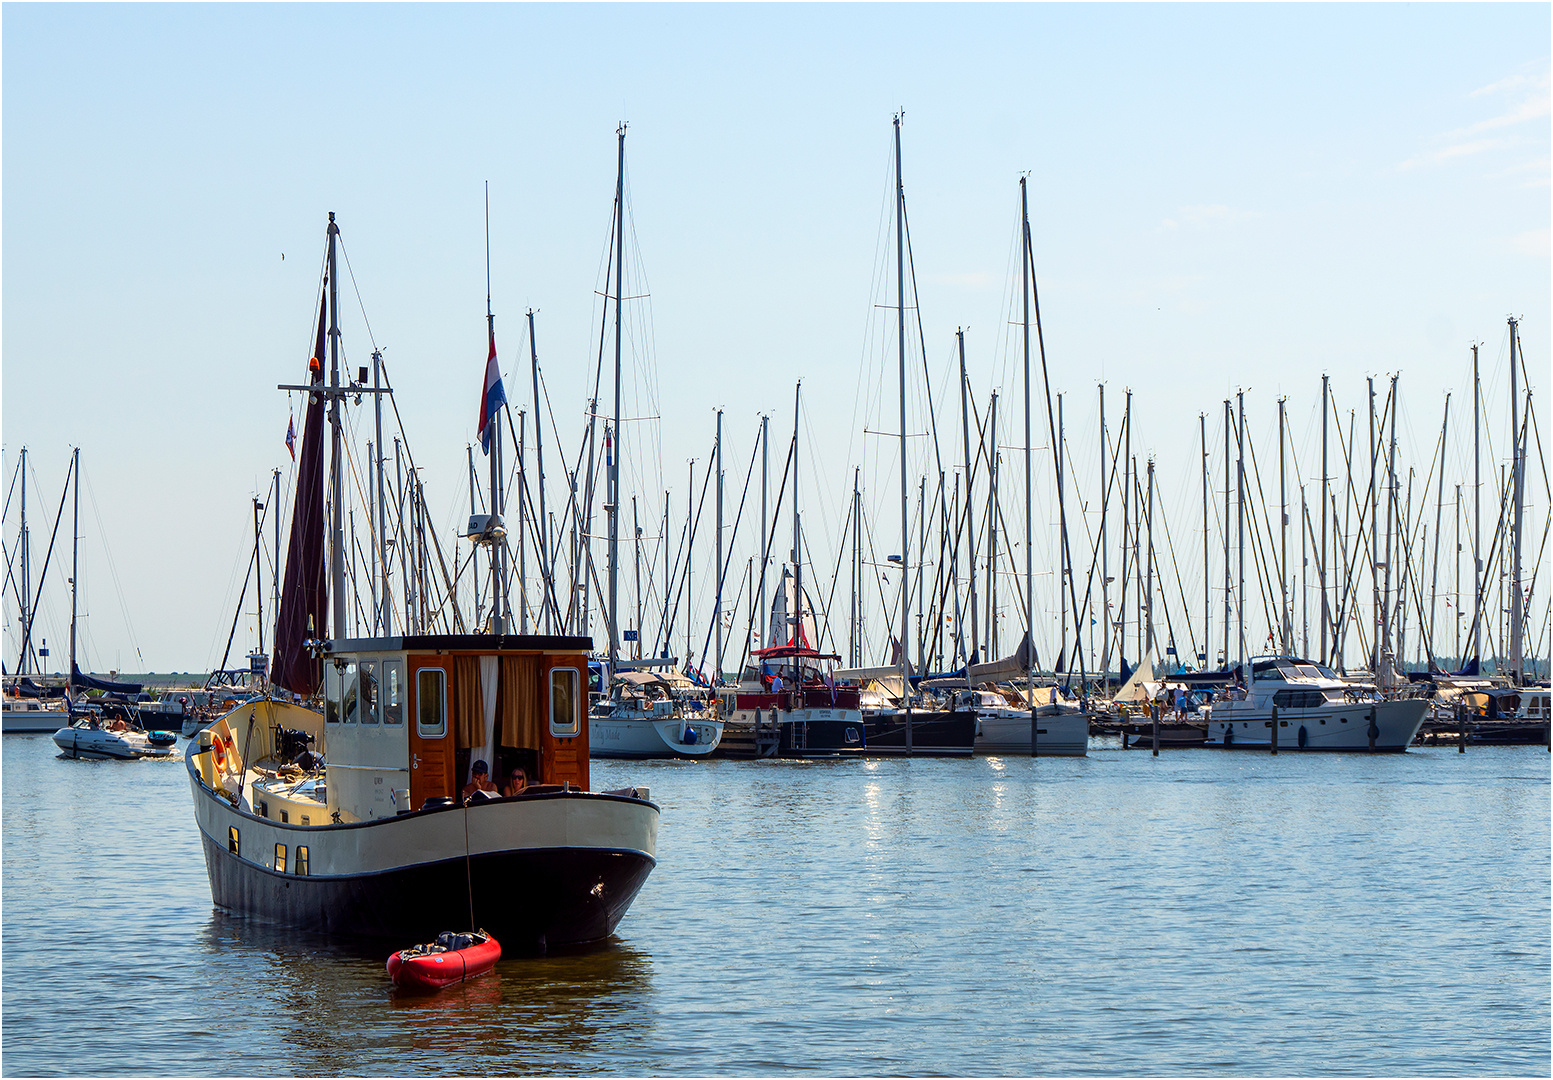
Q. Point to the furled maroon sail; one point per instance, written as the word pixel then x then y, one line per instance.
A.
pixel 304 594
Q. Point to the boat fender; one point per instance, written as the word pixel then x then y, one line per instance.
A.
pixel 1303 736
pixel 690 735
pixel 218 750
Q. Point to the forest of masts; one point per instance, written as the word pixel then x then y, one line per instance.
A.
pixel 1349 538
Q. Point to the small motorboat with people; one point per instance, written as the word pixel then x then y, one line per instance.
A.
pixel 96 737
pixel 642 717
pixel 450 959
pixel 1314 709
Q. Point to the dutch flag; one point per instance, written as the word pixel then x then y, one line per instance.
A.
pixel 492 397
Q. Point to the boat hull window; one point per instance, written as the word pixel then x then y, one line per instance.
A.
pixel 431 705
pixel 232 841
pixel 302 868
pixel 280 858
pixel 392 692
pixel 565 705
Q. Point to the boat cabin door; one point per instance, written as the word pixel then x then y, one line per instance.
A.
pixel 431 753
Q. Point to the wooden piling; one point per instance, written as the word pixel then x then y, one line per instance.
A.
pixel 1461 729
pixel 1275 731
pixel 1154 709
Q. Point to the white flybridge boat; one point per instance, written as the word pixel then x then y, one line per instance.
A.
pixel 349 820
pixel 641 718
pixel 1314 709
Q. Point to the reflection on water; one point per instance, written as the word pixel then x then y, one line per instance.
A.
pixel 1200 912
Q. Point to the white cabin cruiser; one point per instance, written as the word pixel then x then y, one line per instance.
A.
pixel 642 719
pixel 1314 709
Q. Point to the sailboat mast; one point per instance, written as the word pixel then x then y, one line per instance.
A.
pixel 765 522
pixel 498 608
pixel 1024 271
pixel 548 600
pixel 900 334
pixel 336 516
pixel 1477 509
pixel 1240 526
pixel 22 665
pixel 968 525
pixel 612 451
pixel 1439 507
pixel 1285 612
pixel 797 632
pixel 992 526
pixel 1207 626
pixel 258 587
pixel 717 608
pixel 1321 559
pixel 1517 463
pixel 75 555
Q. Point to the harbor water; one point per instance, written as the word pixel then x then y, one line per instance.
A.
pixel 1196 913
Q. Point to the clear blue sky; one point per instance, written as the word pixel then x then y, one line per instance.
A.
pixel 1222 196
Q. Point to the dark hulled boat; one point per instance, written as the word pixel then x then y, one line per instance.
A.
pixel 348 819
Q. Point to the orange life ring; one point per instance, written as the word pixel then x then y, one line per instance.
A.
pixel 218 749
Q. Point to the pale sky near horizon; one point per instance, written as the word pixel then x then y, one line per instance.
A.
pixel 1222 197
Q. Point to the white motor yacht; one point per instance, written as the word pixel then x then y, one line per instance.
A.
pixel 1314 708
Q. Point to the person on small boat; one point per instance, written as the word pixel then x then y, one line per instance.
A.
pixel 480 780
pixel 516 783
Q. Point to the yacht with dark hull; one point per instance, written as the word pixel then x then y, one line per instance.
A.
pixel 348 797
pixel 350 821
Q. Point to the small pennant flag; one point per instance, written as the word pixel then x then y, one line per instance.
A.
pixel 291 436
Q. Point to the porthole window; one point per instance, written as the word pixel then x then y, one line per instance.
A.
pixel 565 705
pixel 280 858
pixel 231 840
pixel 302 868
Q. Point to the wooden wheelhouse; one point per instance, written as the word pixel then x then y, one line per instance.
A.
pixel 405 718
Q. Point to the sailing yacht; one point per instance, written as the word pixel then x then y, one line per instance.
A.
pixel 347 819
pixel 642 718
pixel 788 694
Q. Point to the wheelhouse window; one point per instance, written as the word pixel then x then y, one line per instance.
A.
pixel 565 703
pixel 431 699
pixel 391 691
pixel 232 841
pixel 350 701
pixel 369 694
pixel 331 694
pixel 280 858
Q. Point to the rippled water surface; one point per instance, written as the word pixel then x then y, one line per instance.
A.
pixel 1197 913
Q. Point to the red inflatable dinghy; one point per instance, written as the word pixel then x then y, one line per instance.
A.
pixel 450 959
